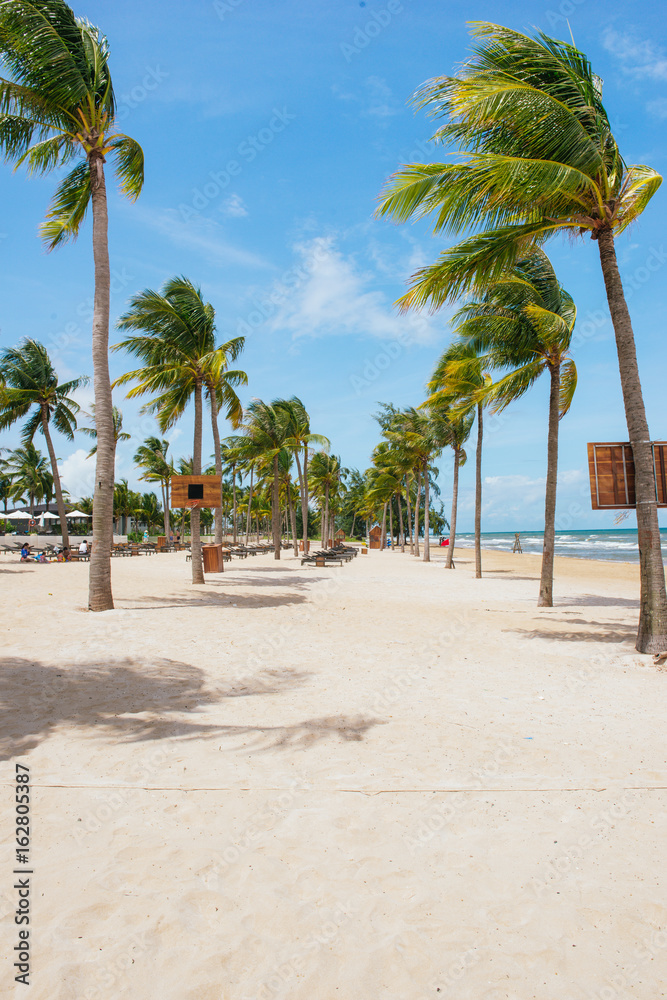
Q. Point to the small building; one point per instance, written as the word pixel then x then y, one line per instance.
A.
pixel 375 537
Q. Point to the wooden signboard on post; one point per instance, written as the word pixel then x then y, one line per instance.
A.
pixel 375 537
pixel 195 491
pixel 611 468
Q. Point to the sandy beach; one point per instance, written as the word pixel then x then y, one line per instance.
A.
pixel 384 780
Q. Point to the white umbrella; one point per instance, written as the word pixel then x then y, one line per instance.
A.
pixel 47 515
pixel 77 513
pixel 18 515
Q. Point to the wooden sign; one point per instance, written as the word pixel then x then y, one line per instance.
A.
pixel 195 491
pixel 611 468
pixel 375 536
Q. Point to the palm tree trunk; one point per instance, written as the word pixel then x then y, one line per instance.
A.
pixel 652 631
pixel 354 518
pixel 391 521
pixel 292 514
pixel 478 494
pixel 275 512
pixel 56 478
pixel 217 513
pixel 401 533
pixel 248 520
pixel 195 513
pixel 234 538
pixel 546 598
pixel 427 516
pixel 449 562
pixel 417 506
pixel 100 597
pixel 165 501
pixel 304 505
pixel 325 533
pixel 407 504
pixel 383 536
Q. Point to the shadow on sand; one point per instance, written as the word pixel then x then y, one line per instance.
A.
pixel 133 701
pixel 594 631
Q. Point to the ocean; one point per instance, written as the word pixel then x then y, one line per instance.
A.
pixel 611 544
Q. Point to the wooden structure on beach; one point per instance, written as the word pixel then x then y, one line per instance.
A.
pixel 375 537
pixel 611 469
pixel 196 491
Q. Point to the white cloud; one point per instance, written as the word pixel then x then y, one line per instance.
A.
pixel 77 473
pixel 199 234
pixel 328 296
pixel 376 100
pixel 641 59
pixel 234 206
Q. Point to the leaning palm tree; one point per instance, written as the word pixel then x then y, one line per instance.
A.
pixel 57 108
pixel 458 378
pixel 175 340
pixel 31 390
pixel 540 159
pixel 524 322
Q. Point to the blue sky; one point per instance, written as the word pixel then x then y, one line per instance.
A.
pixel 269 127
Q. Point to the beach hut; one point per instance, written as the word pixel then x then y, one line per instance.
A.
pixel 375 537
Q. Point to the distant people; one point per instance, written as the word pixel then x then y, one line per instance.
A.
pixel 178 538
pixel 25 552
pixel 145 534
pixel 83 548
pixel 63 555
pixel 41 558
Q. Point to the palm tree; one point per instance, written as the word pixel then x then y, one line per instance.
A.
pixel 176 342
pixel 541 159
pixel 301 440
pixel 524 322
pixel 60 107
pixel 266 425
pixel 453 429
pixel 220 392
pixel 151 457
pixel 418 440
pixel 31 389
pixel 325 475
pixel 117 422
pixel 150 510
pixel 458 378
pixel 29 472
pixel 126 502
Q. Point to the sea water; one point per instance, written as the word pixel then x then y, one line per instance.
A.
pixel 611 544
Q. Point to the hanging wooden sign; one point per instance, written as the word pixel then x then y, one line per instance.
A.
pixel 195 491
pixel 611 468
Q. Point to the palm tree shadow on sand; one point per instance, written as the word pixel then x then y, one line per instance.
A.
pixel 131 701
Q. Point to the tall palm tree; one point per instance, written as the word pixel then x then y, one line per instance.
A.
pixel 300 439
pixel 266 425
pixel 541 159
pixel 151 457
pixel 29 472
pixel 117 422
pixel 57 108
pixel 458 378
pixel 453 429
pixel 524 322
pixel 221 395
pixel 415 434
pixel 31 389
pixel 325 473
pixel 175 340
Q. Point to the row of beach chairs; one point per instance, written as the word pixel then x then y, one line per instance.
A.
pixel 337 555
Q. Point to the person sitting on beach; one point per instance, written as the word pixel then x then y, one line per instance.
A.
pixel 40 557
pixel 25 552
pixel 83 548
pixel 63 555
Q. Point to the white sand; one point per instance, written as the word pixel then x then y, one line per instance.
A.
pixel 380 782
